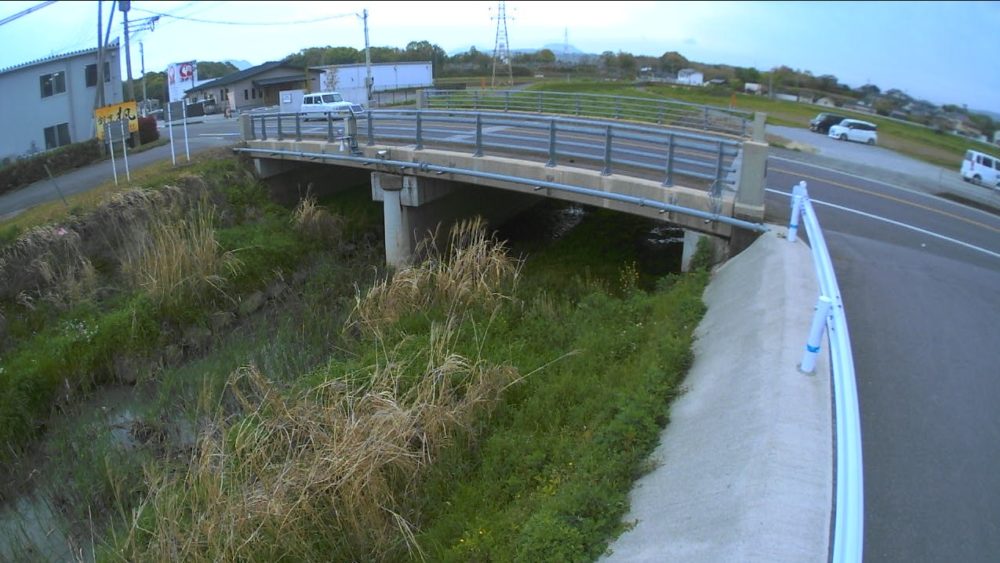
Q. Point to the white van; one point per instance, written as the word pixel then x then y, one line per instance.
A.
pixel 316 106
pixel 980 168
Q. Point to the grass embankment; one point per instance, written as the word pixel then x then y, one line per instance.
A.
pixel 464 408
pixel 912 140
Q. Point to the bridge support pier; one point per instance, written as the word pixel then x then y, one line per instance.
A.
pixel 414 207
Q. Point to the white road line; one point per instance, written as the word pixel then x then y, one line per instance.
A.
pixel 896 223
pixel 937 199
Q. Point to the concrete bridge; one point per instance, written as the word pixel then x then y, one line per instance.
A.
pixel 429 166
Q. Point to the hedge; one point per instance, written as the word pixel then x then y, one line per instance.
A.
pixel 26 171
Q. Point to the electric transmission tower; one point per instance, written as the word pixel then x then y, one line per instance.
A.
pixel 501 48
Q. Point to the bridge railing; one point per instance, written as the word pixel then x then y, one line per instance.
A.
pixel 671 113
pixel 612 146
pixel 848 532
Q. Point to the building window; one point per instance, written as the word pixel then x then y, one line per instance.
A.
pixel 246 95
pixel 56 136
pixel 253 93
pixel 91 73
pixel 52 84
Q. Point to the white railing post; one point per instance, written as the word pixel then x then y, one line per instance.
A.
pixel 823 305
pixel 798 193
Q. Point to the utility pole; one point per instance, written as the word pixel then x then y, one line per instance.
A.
pixel 99 99
pixel 124 6
pixel 142 61
pixel 368 61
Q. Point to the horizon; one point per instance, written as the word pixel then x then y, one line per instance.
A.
pixel 875 49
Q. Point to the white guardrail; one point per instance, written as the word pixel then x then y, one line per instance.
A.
pixel 848 532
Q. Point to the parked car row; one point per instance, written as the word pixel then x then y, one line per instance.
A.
pixel 840 127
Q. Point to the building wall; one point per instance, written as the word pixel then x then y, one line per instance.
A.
pixel 349 80
pixel 25 114
pixel 244 95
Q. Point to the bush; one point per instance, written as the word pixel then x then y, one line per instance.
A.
pixel 29 170
pixel 148 131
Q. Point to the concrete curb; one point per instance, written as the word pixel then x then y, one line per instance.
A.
pixel 745 466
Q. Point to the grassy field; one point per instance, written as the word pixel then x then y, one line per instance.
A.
pixel 910 139
pixel 278 395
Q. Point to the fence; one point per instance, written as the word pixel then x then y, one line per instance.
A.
pixel 662 153
pixel 650 110
pixel 848 534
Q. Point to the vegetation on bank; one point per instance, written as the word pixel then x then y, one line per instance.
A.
pixel 292 400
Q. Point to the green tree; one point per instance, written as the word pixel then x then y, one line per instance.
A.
pixel 209 69
pixel 626 62
pixel 672 61
pixel 546 56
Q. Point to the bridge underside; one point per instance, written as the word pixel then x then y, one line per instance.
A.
pixel 416 200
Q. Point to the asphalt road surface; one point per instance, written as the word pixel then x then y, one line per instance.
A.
pixel 920 278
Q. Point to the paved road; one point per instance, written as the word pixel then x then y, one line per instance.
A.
pixel 923 307
pixel 211 132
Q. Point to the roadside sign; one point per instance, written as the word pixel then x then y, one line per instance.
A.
pixel 128 111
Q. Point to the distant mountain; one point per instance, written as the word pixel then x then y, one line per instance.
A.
pixel 240 64
pixel 561 51
pixel 560 48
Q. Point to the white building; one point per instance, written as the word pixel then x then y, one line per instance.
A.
pixel 257 86
pixel 50 102
pixel 690 77
pixel 387 79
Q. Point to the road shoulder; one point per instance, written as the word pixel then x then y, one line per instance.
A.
pixel 745 466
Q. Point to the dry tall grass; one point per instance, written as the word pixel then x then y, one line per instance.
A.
pixel 174 260
pixel 472 267
pixel 46 263
pixel 328 469
pixel 315 222
pixel 326 473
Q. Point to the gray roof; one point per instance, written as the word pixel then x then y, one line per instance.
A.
pixel 70 55
pixel 246 74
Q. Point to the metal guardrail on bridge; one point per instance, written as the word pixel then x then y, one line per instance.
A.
pixel 663 153
pixel 848 531
pixel 666 112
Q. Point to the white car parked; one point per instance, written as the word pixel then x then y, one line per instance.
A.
pixel 855 130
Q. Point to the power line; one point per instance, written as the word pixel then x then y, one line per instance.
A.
pixel 23 13
pixel 223 22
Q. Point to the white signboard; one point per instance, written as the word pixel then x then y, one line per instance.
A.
pixel 181 77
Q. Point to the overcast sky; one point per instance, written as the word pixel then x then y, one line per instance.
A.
pixel 946 52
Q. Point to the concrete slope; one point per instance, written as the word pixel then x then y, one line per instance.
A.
pixel 745 466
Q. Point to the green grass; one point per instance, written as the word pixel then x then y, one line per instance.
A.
pixel 540 469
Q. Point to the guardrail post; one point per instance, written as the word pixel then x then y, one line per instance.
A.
pixel 577 104
pixel 718 165
pixel 420 132
pixel 670 162
pixel 659 116
pixel 808 365
pixel 246 127
pixel 371 128
pixel 759 124
pixel 539 102
pixel 329 128
pixel 607 153
pixel 479 135
pixel 421 98
pixel 475 100
pixel 798 194
pixel 298 128
pixel 704 118
pixel 280 136
pixel 618 109
pixel 263 128
pixel 552 143
pixel 506 101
